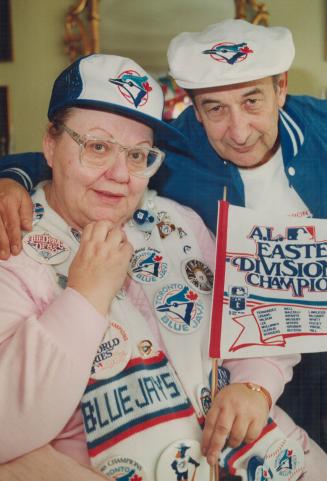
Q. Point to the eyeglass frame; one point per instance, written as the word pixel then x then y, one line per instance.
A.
pixel 82 139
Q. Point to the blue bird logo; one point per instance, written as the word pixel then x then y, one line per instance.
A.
pixel 134 87
pixel 229 52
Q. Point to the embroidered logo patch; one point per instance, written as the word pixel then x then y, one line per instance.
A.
pixel 229 52
pixel 179 308
pixel 133 87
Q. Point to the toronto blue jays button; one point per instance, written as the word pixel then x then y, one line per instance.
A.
pixel 179 308
pixel 147 266
pixel 284 460
pixel 113 353
pixel 198 275
pixel 43 247
pixel 38 212
pixel 182 460
pixel 122 468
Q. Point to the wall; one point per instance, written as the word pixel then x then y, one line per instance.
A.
pixel 307 21
pixel 38 27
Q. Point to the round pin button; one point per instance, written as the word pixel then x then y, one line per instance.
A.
pixel 285 460
pixel 198 275
pixel 204 399
pixel 147 266
pixel 113 353
pixel 124 469
pixel 76 234
pixel 182 460
pixel 179 308
pixel 43 247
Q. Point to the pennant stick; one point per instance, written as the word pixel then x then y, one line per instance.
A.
pixel 217 307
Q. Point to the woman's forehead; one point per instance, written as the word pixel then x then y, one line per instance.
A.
pixel 91 119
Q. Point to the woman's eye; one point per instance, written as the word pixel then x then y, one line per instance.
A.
pixel 98 147
pixel 137 155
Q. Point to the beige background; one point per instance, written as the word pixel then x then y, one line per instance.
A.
pixel 39 56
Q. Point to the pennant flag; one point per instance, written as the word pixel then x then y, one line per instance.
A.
pixel 270 285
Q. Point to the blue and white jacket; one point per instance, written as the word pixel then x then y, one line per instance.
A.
pixel 196 177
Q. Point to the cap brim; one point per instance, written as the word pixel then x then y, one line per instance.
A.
pixel 165 134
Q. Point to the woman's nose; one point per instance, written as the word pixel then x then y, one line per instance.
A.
pixel 118 169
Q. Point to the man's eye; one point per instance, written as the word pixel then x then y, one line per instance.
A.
pixel 216 108
pixel 253 102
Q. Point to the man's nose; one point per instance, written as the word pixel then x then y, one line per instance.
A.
pixel 239 128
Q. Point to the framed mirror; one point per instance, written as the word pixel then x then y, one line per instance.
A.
pixel 142 29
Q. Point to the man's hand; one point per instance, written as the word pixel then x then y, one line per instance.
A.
pixel 15 214
pixel 237 414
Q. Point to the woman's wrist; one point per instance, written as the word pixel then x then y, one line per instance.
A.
pixel 261 390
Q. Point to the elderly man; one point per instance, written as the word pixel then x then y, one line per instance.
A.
pixel 244 136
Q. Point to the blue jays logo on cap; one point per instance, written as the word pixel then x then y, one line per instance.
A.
pixel 179 308
pixel 229 52
pixel 134 87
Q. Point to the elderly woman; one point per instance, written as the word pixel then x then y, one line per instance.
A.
pixel 105 314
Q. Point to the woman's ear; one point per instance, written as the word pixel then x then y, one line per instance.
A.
pixel 49 144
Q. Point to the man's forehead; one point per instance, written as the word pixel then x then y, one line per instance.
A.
pixel 239 89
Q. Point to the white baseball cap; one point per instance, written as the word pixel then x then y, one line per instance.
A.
pixel 115 84
pixel 229 52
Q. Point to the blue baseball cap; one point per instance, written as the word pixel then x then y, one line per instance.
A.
pixel 114 84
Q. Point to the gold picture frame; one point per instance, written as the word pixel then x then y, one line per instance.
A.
pixel 82 24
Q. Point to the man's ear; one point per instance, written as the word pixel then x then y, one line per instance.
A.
pixel 49 145
pixel 197 113
pixel 282 88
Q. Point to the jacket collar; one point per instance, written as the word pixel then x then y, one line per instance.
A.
pixel 291 131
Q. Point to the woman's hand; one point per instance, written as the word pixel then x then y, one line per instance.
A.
pixel 16 209
pixel 237 414
pixel 100 266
